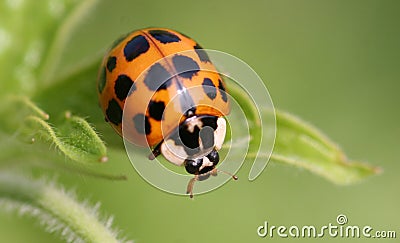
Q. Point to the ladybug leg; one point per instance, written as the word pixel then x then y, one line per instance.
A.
pixel 234 177
pixel 156 151
pixel 199 177
pixel 204 176
pixel 190 185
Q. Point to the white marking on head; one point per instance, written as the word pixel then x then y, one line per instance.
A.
pixel 193 122
pixel 206 163
pixel 173 153
pixel 219 133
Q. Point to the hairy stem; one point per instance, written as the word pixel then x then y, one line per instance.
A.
pixel 78 219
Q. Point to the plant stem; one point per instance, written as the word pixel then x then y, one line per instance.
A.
pixel 82 220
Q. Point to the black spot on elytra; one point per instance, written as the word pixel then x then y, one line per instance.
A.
pixel 135 47
pixel 156 109
pixel 209 88
pixel 114 112
pixel 101 83
pixel 142 124
pixel 157 78
pixel 185 66
pixel 164 36
pixel 111 63
pixel 123 85
pixel 201 53
pixel 222 90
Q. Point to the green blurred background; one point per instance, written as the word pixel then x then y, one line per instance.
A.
pixel 335 64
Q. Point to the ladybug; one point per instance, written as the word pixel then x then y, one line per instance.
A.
pixel 158 88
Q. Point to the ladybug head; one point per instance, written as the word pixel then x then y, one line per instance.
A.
pixel 195 143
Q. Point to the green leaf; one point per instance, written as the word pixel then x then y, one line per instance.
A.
pixel 256 129
pixel 56 209
pixel 83 101
pixel 301 145
pixel 74 137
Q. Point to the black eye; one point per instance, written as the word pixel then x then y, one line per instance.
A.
pixel 193 166
pixel 213 156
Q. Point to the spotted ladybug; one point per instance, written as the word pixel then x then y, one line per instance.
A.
pixel 158 88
